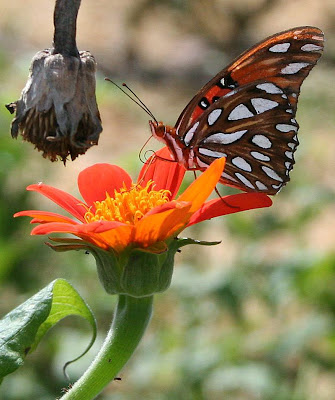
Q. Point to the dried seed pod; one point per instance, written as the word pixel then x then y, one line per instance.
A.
pixel 57 111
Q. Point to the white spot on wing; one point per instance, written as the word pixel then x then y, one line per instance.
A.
pixel 291 145
pixel 189 135
pixel 288 165
pixel 293 68
pixel 259 156
pixel 289 110
pixel 271 173
pixel 201 164
pixel 280 48
pixel 269 88
pixel 244 180
pixel 261 141
pixel 261 185
pixel 240 163
pixel 262 105
pixel 311 47
pixel 277 186
pixel 286 127
pixel 289 154
pixel 213 116
pixel 230 93
pixel 211 153
pixel 225 138
pixel 226 176
pixel 240 112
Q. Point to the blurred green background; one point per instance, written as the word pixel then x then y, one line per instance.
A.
pixel 250 319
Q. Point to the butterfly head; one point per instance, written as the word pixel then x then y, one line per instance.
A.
pixel 159 131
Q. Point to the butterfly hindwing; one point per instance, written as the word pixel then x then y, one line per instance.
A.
pixel 285 59
pixel 255 129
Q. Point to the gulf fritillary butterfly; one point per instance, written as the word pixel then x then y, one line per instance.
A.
pixel 246 113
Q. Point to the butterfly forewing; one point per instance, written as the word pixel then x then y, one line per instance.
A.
pixel 285 59
pixel 254 128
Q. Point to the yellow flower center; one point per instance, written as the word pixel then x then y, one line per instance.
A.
pixel 128 205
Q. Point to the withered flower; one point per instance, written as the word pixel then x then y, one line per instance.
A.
pixel 57 111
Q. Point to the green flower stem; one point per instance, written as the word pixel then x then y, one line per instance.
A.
pixel 131 319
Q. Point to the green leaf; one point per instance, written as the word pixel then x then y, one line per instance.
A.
pixel 23 328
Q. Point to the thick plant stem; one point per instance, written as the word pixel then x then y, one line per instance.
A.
pixel 65 21
pixel 131 319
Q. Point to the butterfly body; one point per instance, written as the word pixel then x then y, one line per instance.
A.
pixel 246 113
pixel 181 153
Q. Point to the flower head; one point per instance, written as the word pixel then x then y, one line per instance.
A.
pixel 117 214
pixel 131 228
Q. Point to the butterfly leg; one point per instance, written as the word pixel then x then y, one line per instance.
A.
pixel 224 201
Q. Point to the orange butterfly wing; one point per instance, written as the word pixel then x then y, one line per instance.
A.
pixel 285 51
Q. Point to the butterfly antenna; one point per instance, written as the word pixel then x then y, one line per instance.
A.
pixel 141 102
pixel 136 100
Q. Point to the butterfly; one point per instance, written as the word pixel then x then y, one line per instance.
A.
pixel 246 113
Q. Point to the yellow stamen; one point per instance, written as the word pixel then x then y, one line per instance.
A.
pixel 128 205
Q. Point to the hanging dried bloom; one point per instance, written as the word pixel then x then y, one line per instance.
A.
pixel 57 111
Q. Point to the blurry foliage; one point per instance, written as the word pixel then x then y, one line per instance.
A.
pixel 252 318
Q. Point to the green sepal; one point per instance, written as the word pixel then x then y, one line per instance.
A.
pixel 181 242
pixel 139 273
pixel 109 267
pixel 23 328
pixel 145 273
pixel 134 272
pixel 68 244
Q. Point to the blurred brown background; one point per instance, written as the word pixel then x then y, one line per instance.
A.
pixel 252 318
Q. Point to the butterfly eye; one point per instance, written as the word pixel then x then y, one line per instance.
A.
pixel 158 129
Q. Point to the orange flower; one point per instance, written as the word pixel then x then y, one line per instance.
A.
pixel 118 214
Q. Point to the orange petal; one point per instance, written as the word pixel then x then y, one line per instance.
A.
pixel 105 234
pixel 202 187
pixel 119 238
pixel 63 199
pixel 159 227
pixel 95 181
pixel 166 174
pixel 44 216
pixel 167 206
pixel 93 227
pixel 230 204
